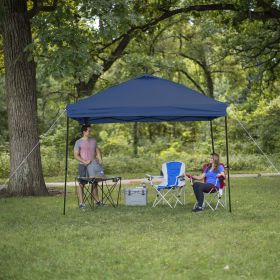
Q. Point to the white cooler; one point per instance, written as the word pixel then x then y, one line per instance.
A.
pixel 136 196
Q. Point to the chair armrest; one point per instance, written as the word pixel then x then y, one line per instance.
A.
pixel 148 176
pixel 190 177
pixel 221 178
pixel 181 177
pixel 151 177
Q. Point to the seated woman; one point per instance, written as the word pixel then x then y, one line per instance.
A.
pixel 214 170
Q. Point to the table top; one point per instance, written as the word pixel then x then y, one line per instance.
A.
pixel 100 178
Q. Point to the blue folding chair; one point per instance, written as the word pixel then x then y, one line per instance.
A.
pixel 173 187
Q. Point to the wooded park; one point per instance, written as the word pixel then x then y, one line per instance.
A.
pixel 58 54
pixel 54 53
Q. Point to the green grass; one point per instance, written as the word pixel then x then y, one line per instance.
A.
pixel 38 242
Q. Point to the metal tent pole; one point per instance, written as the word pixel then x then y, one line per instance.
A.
pixel 228 180
pixel 66 164
pixel 212 137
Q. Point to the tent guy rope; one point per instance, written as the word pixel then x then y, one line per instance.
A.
pixel 32 150
pixel 255 142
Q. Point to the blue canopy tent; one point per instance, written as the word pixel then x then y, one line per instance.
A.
pixel 146 99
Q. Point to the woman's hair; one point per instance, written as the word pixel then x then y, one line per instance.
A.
pixel 216 162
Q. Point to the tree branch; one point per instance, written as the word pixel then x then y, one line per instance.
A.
pixel 193 59
pixel 170 13
pixel 267 12
pixel 85 88
pixel 125 38
pixel 192 80
pixel 41 8
pixel 269 8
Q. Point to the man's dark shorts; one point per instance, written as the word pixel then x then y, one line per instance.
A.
pixel 93 169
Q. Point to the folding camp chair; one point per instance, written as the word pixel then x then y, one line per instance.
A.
pixel 172 189
pixel 215 196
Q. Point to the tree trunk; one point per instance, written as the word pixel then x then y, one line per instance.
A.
pixel 210 85
pixel 20 84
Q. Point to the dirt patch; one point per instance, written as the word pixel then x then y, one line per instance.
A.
pixel 4 193
pixel 55 192
pixel 52 192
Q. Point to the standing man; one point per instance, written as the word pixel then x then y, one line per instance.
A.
pixel 90 163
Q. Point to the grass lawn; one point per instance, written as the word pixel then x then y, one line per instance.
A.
pixel 38 242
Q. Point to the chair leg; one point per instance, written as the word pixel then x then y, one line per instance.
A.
pixel 209 205
pixel 216 199
pixel 165 200
pixel 171 197
pixel 161 198
pixel 209 199
pixel 180 193
pixel 221 201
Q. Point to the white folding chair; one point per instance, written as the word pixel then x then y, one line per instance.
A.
pixel 172 189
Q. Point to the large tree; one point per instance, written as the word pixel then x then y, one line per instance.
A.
pixel 20 84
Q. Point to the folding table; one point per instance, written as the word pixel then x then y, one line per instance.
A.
pixel 106 185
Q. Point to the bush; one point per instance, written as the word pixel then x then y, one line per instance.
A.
pixel 125 164
pixel 253 162
pixel 54 163
pixel 4 164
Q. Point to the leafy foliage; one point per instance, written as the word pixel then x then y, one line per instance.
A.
pixel 85 46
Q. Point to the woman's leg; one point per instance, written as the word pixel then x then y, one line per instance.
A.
pixel 199 189
pixel 198 193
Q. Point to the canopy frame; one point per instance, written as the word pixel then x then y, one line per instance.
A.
pixel 213 151
pixel 120 98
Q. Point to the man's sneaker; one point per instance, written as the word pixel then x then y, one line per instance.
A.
pixel 99 203
pixel 197 209
pixel 82 206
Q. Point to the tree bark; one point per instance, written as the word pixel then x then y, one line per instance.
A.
pixel 20 82
pixel 209 80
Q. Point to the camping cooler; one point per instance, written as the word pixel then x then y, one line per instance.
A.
pixel 136 196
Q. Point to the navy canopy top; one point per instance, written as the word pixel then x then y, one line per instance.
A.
pixel 146 99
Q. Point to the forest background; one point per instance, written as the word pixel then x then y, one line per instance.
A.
pixel 228 50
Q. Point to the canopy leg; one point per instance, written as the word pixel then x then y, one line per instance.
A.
pixel 212 137
pixel 228 175
pixel 66 164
